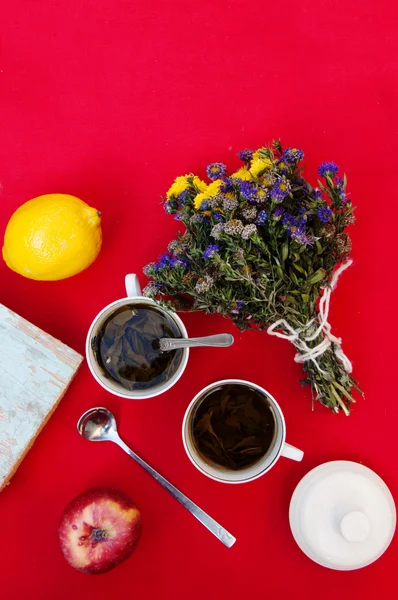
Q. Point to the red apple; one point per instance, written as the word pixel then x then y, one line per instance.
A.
pixel 98 530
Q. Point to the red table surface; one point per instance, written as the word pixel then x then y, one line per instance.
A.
pixel 110 101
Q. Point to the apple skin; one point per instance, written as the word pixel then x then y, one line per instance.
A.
pixel 98 530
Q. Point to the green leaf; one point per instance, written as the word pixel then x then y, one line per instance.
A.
pixel 293 277
pixel 299 269
pixel 285 251
pixel 317 276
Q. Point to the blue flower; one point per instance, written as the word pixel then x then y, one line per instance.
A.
pixel 292 156
pixel 170 207
pixel 246 155
pixel 198 218
pixel 261 217
pixel 164 261
pixel 280 190
pixel 246 189
pixel 328 168
pixel 218 216
pixel 204 205
pixel 210 250
pixel 178 217
pixel 215 170
pixel 183 196
pixel 324 213
pixel 316 194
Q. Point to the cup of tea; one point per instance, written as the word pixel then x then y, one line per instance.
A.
pixel 122 346
pixel 234 432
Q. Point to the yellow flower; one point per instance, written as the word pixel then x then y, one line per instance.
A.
pixel 261 194
pixel 213 189
pixel 242 174
pixel 199 199
pixel 259 165
pixel 201 185
pixel 209 191
pixel 180 184
pixel 281 166
pixel 185 181
pixel 230 195
pixel 283 187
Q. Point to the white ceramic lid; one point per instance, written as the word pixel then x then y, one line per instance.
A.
pixel 342 515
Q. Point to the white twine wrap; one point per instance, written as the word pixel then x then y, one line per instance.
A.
pixel 304 351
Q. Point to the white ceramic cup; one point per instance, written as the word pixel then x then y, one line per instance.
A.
pixel 277 448
pixel 134 294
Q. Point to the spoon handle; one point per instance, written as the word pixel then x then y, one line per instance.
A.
pixel 221 339
pixel 222 534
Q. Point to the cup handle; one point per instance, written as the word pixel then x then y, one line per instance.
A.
pixel 133 287
pixel 289 451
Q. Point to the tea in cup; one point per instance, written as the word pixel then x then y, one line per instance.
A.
pixel 234 431
pixel 122 346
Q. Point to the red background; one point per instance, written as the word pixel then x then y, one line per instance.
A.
pixel 110 100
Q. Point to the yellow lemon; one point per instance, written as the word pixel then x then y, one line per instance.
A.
pixel 52 237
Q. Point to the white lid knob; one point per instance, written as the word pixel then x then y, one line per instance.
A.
pixel 355 526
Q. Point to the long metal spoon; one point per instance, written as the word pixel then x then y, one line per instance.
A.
pixel 221 339
pixel 99 425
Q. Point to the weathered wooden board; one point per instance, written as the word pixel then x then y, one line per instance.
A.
pixel 35 371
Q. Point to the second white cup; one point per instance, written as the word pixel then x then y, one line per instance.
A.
pixel 277 448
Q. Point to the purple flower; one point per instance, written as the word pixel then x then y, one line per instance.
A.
pixel 226 185
pixel 339 182
pixel 278 213
pixel 246 189
pixel 280 190
pixel 290 221
pixel 343 196
pixel 218 216
pixel 324 213
pixel 292 156
pixel 236 307
pixel 178 217
pixel 261 217
pixel 245 154
pixel 215 170
pixel 210 250
pixel 328 168
pixel 302 216
pixel 299 235
pixel 316 194
pixel 180 261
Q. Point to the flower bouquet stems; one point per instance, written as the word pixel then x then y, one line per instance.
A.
pixel 263 247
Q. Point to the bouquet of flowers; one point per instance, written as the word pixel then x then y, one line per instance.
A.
pixel 264 248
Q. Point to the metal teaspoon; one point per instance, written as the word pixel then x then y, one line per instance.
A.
pixel 220 340
pixel 99 425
